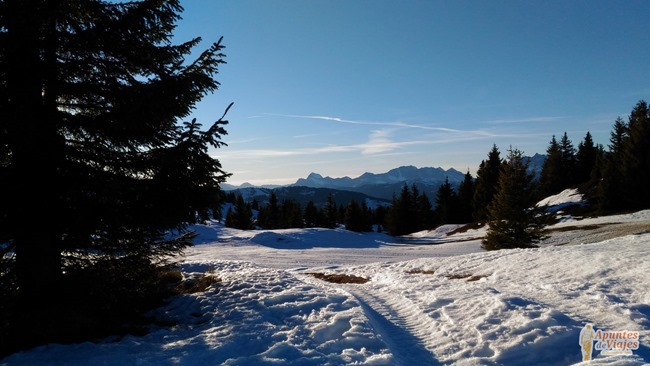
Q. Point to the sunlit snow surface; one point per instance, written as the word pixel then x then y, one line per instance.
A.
pixel 517 307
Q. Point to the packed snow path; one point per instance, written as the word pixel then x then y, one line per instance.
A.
pixel 403 336
pixel 398 328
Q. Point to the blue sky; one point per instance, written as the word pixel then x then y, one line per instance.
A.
pixel 341 87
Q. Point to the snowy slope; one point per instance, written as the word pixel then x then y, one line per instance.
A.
pixel 446 302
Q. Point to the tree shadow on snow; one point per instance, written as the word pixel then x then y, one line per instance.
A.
pixel 315 238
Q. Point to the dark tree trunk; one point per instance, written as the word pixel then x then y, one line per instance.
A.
pixel 35 153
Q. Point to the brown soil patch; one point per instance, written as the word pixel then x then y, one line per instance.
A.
pixel 200 284
pixel 470 278
pixel 458 276
pixel 421 271
pixel 476 278
pixel 339 278
pixel 575 228
pixel 466 228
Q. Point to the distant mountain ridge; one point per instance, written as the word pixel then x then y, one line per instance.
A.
pixel 385 185
pixel 382 186
pixel 404 174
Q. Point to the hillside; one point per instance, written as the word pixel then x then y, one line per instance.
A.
pixel 303 195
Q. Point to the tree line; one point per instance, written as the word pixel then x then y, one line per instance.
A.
pixel 287 214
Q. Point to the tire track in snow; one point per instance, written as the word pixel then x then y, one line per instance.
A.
pixel 402 330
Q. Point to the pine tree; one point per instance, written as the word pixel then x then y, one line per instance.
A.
pixel 354 217
pixel 311 216
pixel 586 159
pixel 330 212
pixel 446 204
pixel 367 217
pixel 551 179
pixel 270 216
pixel 424 212
pixel 487 178
pixel 636 158
pixel 568 154
pixel 514 221
pixel 242 217
pixel 611 190
pixel 465 196
pixel 291 215
pixel 91 93
pixel 401 218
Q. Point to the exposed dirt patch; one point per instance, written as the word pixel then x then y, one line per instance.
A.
pixel 199 284
pixel 339 278
pixel 458 276
pixel 572 235
pixel 470 277
pixel 476 278
pixel 576 227
pixel 466 228
pixel 421 271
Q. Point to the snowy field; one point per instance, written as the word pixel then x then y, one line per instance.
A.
pixel 431 298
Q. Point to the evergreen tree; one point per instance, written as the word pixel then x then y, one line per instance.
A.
pixel 422 206
pixel 586 159
pixel 401 218
pixel 551 179
pixel 340 215
pixel 424 212
pixel 312 215
pixel 330 212
pixel 618 137
pixel 367 217
pixel 231 220
pixel 91 93
pixel 355 219
pixel 487 178
pixel 568 153
pixel 611 190
pixel 242 217
pixel 465 196
pixel 636 158
pixel 514 221
pixel 446 203
pixel 379 217
pixel 291 216
pixel 269 217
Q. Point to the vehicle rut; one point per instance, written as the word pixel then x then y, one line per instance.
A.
pixel 403 331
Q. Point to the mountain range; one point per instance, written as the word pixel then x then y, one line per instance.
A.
pixel 371 188
pixel 374 189
pixel 385 185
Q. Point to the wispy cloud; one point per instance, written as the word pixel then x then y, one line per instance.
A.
pixel 399 124
pixel 525 120
pixel 390 139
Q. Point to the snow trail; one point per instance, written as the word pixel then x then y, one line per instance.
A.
pixel 405 338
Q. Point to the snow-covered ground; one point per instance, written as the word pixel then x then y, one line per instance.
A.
pixel 432 298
